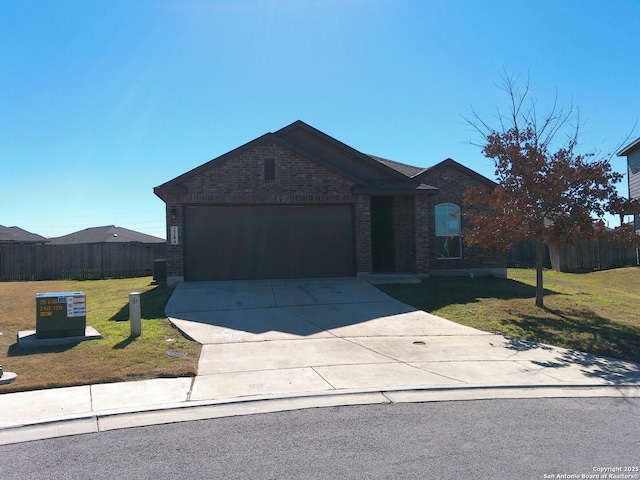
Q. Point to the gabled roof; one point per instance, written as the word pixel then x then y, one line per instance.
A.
pixel 176 184
pixel 366 171
pixel 449 162
pixel 106 234
pixel 630 148
pixel 18 235
pixel 370 174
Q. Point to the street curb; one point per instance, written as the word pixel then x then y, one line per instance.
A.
pixel 95 422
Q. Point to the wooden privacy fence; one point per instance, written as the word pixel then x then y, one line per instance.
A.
pixel 582 256
pixel 87 261
pixel 592 255
pixel 523 255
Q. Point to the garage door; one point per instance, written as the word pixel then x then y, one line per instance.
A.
pixel 260 242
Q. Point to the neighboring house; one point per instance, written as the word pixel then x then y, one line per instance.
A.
pixel 93 253
pixel 18 235
pixel 632 152
pixel 298 203
pixel 107 234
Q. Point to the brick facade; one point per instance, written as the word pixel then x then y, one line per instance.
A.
pixel 363 233
pixel 452 184
pixel 240 181
pixel 422 234
pixel 238 178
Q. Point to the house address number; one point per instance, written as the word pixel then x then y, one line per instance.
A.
pixel 175 240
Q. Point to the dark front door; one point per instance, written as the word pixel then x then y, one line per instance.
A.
pixel 261 242
pixel 382 235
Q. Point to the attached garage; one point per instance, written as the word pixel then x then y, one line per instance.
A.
pixel 225 242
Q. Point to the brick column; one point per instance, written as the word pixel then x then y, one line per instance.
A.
pixel 175 259
pixel 363 234
pixel 422 233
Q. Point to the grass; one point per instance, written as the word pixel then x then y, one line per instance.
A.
pixel 114 357
pixel 597 312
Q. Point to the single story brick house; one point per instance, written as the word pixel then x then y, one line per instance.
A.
pixel 298 203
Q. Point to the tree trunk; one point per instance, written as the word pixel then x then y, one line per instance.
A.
pixel 539 267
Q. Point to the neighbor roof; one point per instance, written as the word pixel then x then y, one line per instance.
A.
pixel 18 235
pixel 106 234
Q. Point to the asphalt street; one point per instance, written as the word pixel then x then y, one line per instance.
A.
pixel 479 439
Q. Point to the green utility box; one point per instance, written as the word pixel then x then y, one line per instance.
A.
pixel 61 314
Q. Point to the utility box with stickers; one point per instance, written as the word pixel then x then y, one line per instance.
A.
pixel 61 314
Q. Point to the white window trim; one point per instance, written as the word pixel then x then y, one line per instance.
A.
pixel 459 235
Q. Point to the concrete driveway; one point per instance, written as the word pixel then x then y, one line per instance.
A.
pixel 274 337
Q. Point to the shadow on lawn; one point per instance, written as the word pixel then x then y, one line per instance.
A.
pixel 152 303
pixel 124 343
pixel 580 330
pixel 16 350
pixel 438 292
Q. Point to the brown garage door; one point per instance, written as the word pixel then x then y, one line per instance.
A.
pixel 259 242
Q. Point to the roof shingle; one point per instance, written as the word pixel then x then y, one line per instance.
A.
pixel 403 168
pixel 106 234
pixel 18 235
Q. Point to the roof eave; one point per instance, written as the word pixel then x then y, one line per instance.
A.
pixel 629 148
pixel 169 189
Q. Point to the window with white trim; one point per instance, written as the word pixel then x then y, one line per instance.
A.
pixel 448 231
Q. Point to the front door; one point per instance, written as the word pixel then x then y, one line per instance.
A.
pixel 382 235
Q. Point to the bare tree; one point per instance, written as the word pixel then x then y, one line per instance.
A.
pixel 547 192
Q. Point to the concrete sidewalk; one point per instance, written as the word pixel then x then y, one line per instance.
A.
pixel 278 345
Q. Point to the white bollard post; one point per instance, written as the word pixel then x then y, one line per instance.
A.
pixel 135 314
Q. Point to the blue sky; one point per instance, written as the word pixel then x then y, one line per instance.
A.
pixel 100 101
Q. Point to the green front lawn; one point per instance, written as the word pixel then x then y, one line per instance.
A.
pixel 161 350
